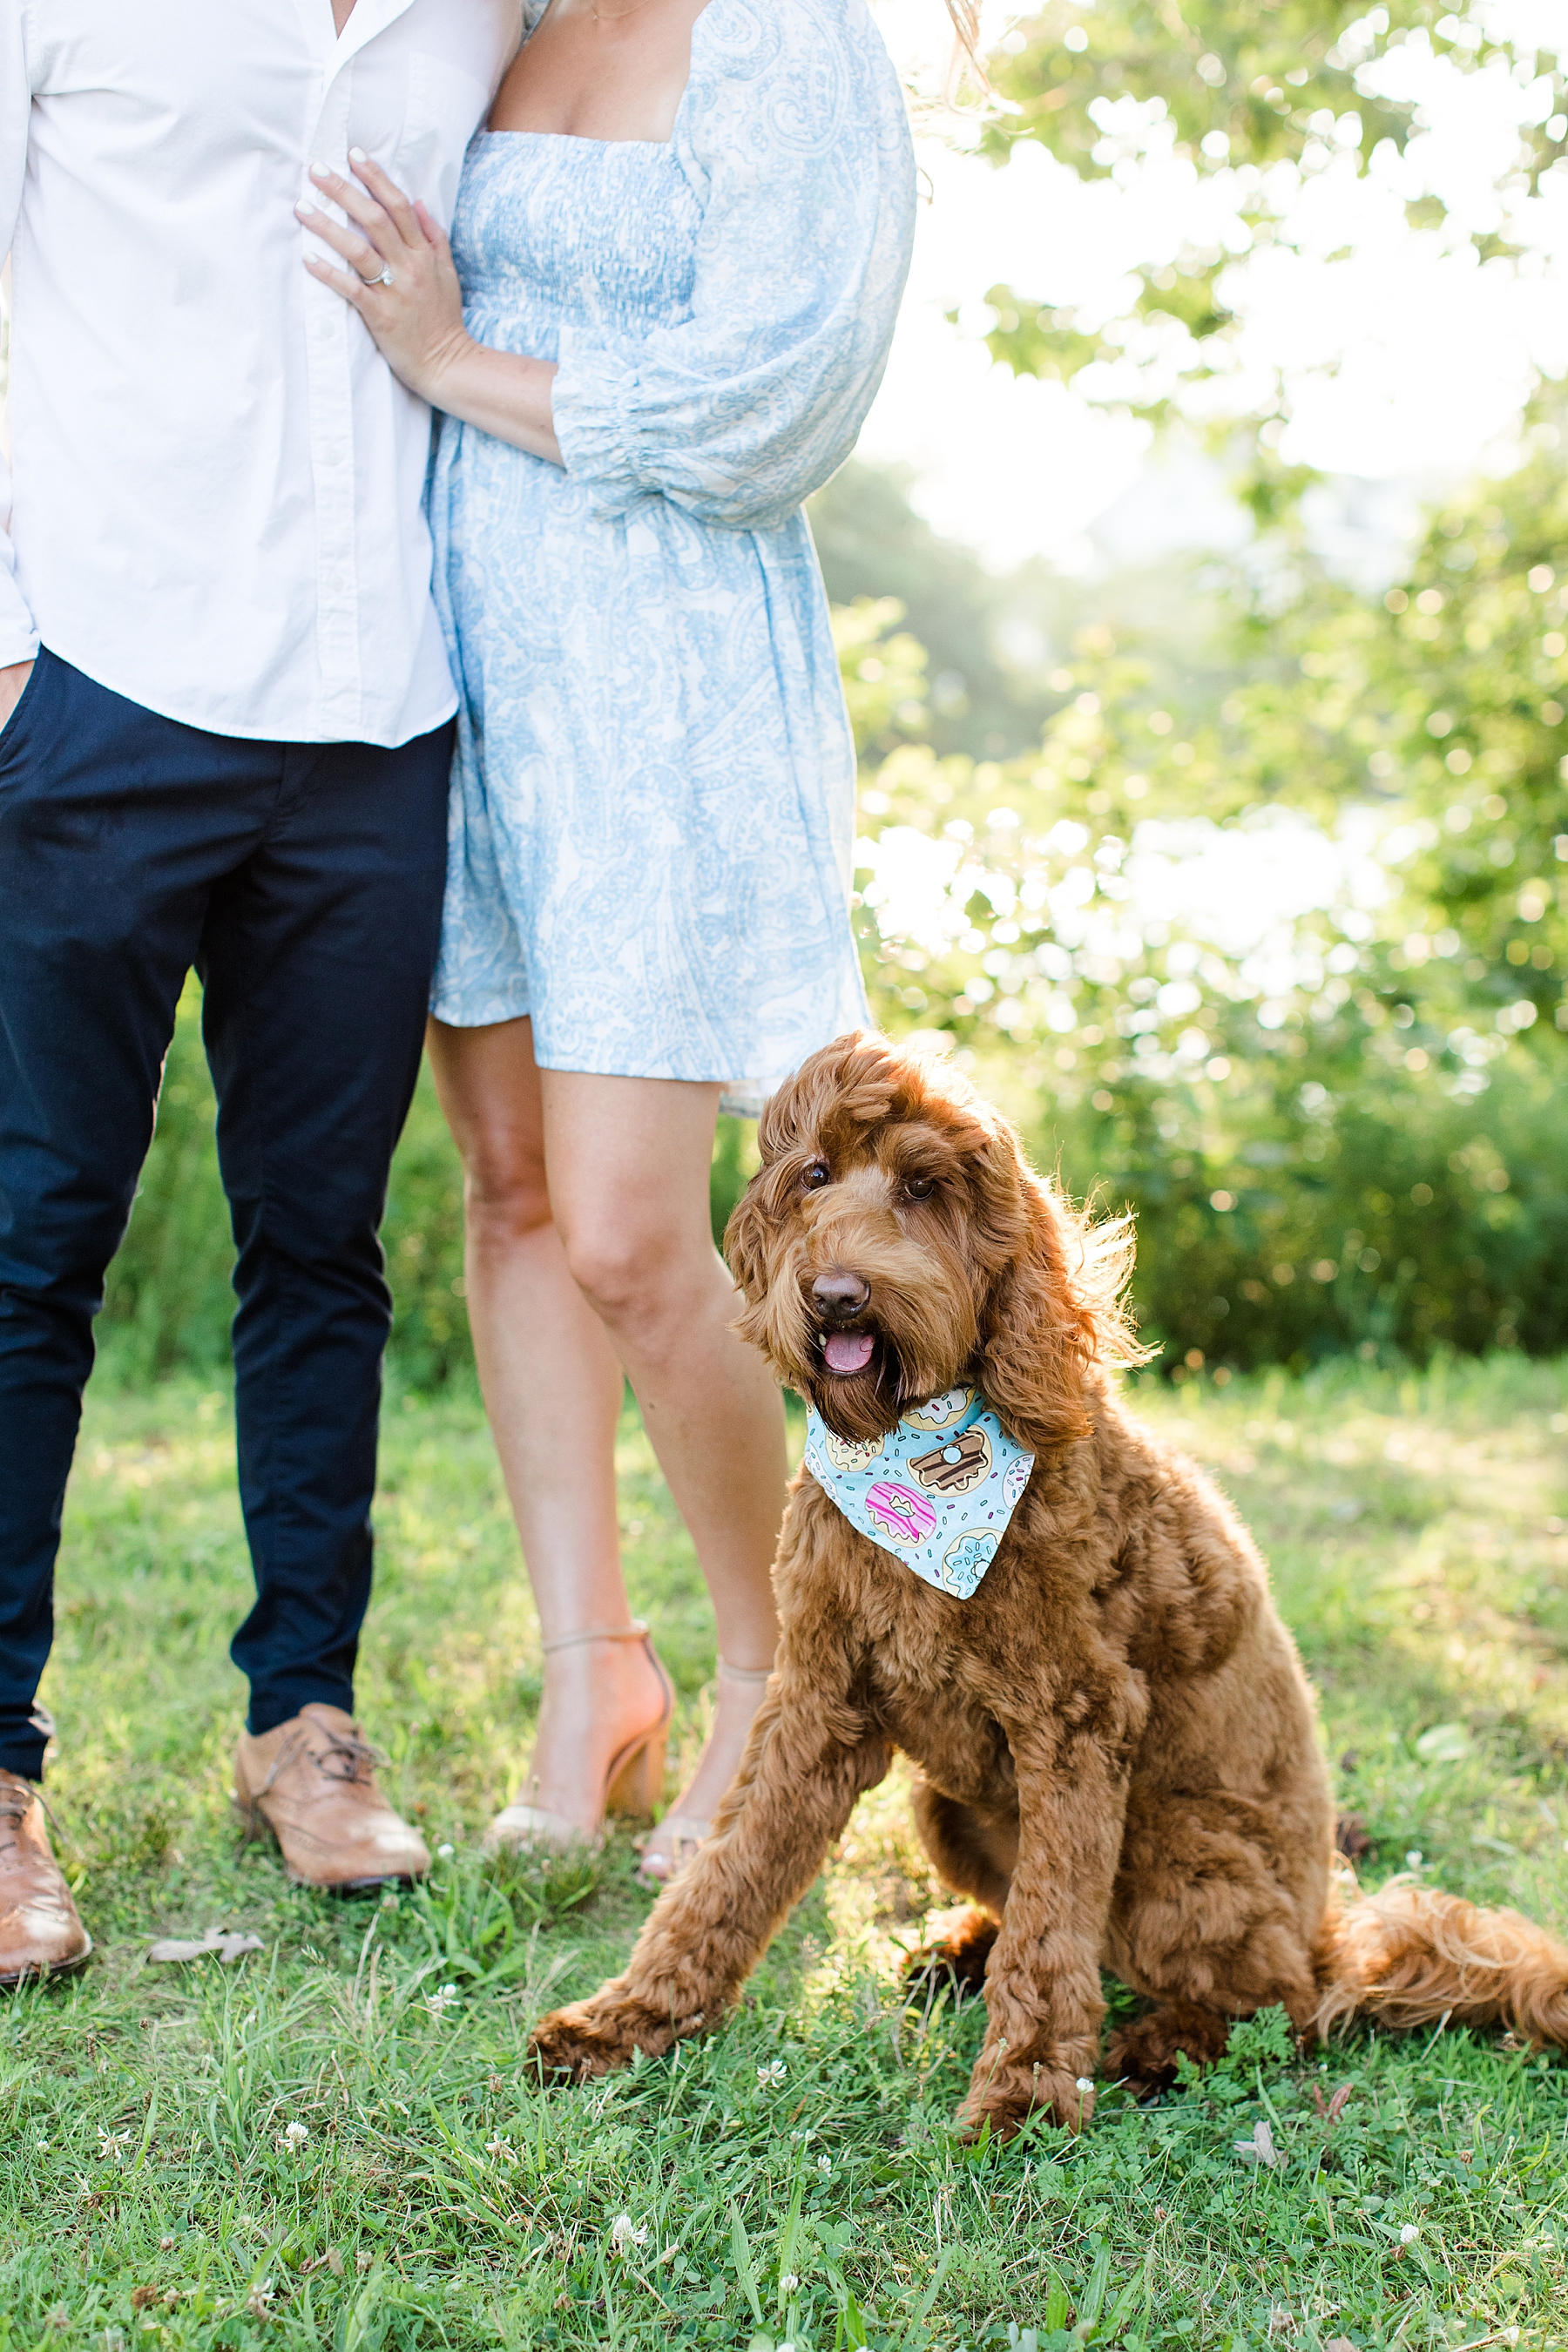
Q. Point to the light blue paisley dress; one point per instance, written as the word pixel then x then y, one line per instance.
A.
pixel 653 801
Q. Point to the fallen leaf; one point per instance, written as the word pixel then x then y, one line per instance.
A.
pixel 1260 2147
pixel 141 2296
pixel 1350 1837
pixel 226 1942
pixel 1446 1743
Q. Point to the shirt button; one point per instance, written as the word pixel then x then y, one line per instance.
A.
pixel 336 582
pixel 325 329
pixel 331 455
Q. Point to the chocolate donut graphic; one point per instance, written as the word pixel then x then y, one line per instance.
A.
pixel 966 1560
pixel 900 1512
pixel 957 1467
pixel 851 1453
pixel 938 1412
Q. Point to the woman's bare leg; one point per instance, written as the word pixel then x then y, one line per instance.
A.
pixel 626 1275
pixel 628 1162
pixel 553 1388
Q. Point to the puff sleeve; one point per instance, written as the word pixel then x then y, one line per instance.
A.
pixel 792 134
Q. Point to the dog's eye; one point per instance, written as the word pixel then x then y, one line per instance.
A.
pixel 818 1174
pixel 918 1188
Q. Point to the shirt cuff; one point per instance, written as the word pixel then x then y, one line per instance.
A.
pixel 18 637
pixel 591 403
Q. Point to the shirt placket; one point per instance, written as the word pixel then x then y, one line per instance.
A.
pixel 329 325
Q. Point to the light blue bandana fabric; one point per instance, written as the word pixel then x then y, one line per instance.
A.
pixel 937 1491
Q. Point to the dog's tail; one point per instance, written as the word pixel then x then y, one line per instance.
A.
pixel 1410 1956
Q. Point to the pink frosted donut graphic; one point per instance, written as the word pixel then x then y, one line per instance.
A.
pixel 900 1512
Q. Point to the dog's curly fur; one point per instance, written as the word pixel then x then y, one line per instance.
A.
pixel 1118 1750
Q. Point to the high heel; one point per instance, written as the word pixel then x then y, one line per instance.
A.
pixel 634 1782
pixel 687 1832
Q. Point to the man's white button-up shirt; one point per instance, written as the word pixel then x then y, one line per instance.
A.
pixel 215 497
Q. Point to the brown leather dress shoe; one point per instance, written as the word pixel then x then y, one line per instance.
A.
pixel 311 1782
pixel 40 1934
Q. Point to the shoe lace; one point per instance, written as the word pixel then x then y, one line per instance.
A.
pixel 340 1756
pixel 18 1798
pixel 346 1757
pixel 16 1801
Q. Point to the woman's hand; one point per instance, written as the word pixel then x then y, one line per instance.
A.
pixel 400 276
pixel 402 281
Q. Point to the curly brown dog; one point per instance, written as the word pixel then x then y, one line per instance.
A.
pixel 1118 1750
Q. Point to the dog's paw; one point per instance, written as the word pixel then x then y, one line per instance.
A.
pixel 593 2037
pixel 1143 2053
pixel 955 1957
pixel 1007 2097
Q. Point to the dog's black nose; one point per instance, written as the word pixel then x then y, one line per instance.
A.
pixel 840 1294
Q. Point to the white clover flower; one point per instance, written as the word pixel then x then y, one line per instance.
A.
pixel 1084 2085
pixel 1414 1858
pixel 788 2284
pixel 438 2003
pixel 824 2164
pixel 297 2132
pixel 1408 2235
pixel 113 2144
pixel 771 2075
pixel 624 2235
pixel 445 1852
pixel 502 2151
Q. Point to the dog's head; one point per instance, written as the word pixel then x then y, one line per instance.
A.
pixel 894 1243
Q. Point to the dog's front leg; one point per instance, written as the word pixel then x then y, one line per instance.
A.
pixel 1072 1755
pixel 807 1759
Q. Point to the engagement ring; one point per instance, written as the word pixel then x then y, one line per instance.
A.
pixel 384 279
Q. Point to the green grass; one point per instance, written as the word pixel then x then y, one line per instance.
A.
pixel 324 2145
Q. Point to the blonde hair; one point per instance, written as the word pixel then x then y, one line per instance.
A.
pixel 966 15
pixel 964 62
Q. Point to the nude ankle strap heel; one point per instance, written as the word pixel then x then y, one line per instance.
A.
pixel 635 1632
pixel 633 1783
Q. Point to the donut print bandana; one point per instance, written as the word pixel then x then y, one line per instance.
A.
pixel 937 1492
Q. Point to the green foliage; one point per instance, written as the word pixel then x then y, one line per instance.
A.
pixel 871 544
pixel 324 2145
pixel 884 673
pixel 1352 1139
pixel 1261 94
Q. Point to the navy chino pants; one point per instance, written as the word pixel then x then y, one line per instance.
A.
pixel 304 884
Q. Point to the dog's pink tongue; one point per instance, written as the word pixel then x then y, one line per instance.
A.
pixel 848 1351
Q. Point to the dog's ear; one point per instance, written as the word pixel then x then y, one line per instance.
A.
pixel 745 1239
pixel 1054 1313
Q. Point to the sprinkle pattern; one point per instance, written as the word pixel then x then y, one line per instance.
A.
pixel 919 1494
